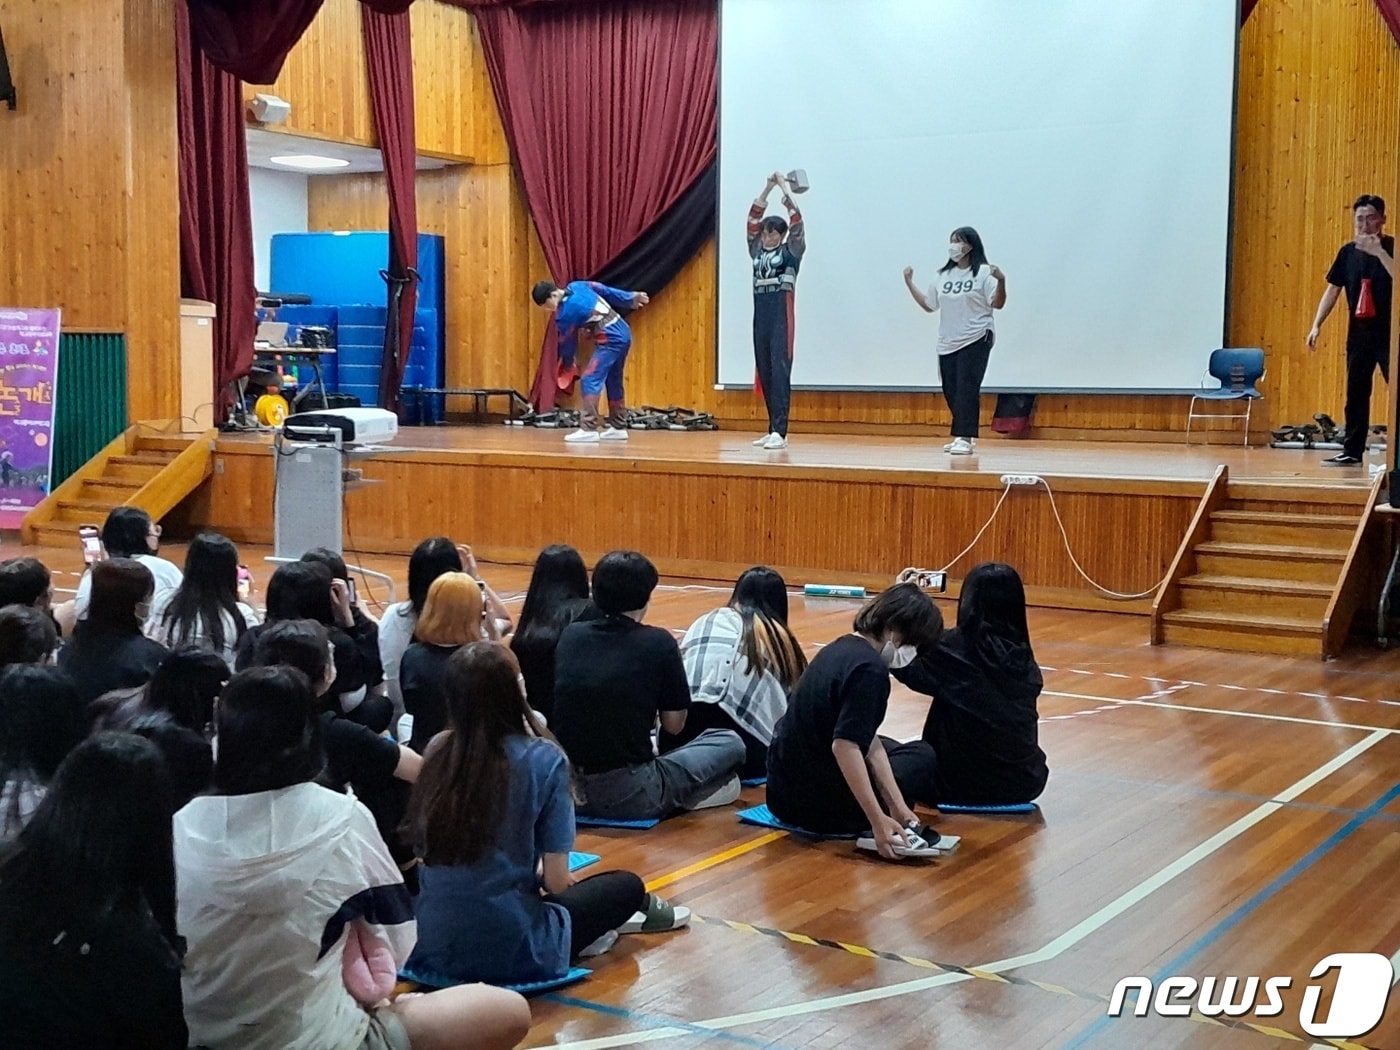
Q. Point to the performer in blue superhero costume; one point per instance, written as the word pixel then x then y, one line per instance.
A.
pixel 587 306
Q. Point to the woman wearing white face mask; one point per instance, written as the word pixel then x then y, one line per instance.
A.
pixel 968 289
pixel 828 769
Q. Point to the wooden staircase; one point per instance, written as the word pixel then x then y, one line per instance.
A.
pixel 150 465
pixel 1269 567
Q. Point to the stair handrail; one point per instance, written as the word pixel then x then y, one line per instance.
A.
pixel 1351 582
pixel 1184 564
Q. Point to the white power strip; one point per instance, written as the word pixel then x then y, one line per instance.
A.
pixel 1021 479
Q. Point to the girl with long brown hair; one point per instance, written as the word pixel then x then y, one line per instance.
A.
pixel 492 819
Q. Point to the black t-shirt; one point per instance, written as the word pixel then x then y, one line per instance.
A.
pixel 611 677
pixel 422 673
pixel 353 668
pixel 983 721
pixel 842 695
pixel 365 761
pixel 1349 269
pixel 109 984
pixel 98 659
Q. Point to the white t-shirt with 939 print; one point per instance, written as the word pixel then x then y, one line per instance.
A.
pixel 964 304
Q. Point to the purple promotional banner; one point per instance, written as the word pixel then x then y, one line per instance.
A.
pixel 28 377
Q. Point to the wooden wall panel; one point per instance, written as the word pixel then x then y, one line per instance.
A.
pixel 1318 124
pixel 324 79
pixel 152 250
pixel 88 209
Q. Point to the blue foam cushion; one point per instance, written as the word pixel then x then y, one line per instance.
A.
pixel 431 980
pixel 761 816
pixel 1010 807
pixel 604 822
pixel 754 782
pixel 582 860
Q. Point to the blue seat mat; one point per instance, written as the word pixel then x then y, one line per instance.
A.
pixel 572 976
pixel 754 782
pixel 761 816
pixel 578 861
pixel 604 822
pixel 1009 807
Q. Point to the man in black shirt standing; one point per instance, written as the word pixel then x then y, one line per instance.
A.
pixel 1365 267
pixel 614 677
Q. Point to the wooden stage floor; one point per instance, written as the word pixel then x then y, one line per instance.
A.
pixel 830 508
pixel 1207 814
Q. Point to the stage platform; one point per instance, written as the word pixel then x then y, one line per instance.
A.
pixel 829 508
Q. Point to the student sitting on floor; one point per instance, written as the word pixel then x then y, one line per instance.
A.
pixel 429 560
pixel 305 590
pixel 128 532
pixel 827 761
pixel 286 890
pixel 27 636
pixel 89 954
pixel 984 681
pixel 379 771
pixel 204 609
pixel 453 615
pixel 109 650
pixel 742 661
pixel 557 596
pixel 492 818
pixel 613 676
pixel 41 721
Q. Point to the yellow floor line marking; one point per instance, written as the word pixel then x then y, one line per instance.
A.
pixel 1001 978
pixel 716 859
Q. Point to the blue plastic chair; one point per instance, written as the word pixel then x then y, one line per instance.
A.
pixel 1237 371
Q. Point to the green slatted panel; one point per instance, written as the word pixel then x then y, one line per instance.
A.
pixel 91 408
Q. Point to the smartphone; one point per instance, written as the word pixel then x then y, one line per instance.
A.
pixel 350 585
pixel 245 583
pixel 90 538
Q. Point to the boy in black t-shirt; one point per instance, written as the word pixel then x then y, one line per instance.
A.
pixel 1365 267
pixel 613 677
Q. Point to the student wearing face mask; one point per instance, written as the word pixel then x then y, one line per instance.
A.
pixel 828 769
pixel 776 246
pixel 966 292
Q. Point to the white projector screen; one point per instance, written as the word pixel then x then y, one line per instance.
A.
pixel 1087 141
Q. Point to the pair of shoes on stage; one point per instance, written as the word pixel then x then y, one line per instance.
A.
pixel 1342 459
pixel 592 437
pixel 771 441
pixel 961 447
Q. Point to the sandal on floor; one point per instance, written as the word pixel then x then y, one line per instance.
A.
pixel 661 916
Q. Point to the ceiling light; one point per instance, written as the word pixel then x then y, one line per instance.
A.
pixel 309 162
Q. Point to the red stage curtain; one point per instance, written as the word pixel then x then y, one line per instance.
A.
pixel 610 113
pixel 216 228
pixel 250 38
pixel 389 55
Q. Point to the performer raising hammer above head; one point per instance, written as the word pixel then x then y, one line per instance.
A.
pixel 593 307
pixel 776 247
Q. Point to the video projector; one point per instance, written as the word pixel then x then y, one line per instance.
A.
pixel 357 426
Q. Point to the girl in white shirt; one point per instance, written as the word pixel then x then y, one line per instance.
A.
pixel 204 610
pixel 968 289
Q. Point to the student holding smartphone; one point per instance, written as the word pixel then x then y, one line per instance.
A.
pixel 128 532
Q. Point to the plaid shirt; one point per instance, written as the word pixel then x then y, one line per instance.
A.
pixel 719 673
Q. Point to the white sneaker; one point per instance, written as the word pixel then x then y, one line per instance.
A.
pixel 582 437
pixel 774 441
pixel 613 434
pixel 720 796
pixel 761 440
pixel 949 447
pixel 960 447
